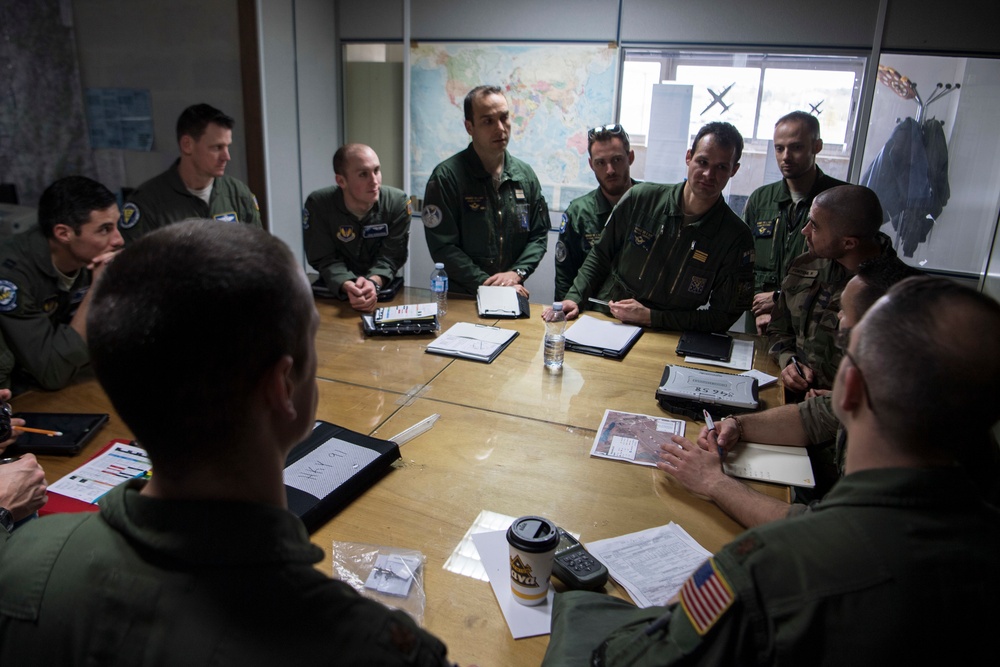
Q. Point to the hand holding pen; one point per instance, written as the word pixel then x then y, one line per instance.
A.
pixel 710 425
pixel 797 376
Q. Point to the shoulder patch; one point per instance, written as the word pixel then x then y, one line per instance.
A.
pixel 305 218
pixel 130 216
pixel 256 206
pixel 706 596
pixel 8 296
pixel 229 216
pixel 561 252
pixel 431 215
pixel 409 206
pixel 562 225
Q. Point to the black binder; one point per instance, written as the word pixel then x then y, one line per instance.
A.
pixel 705 345
pixel 341 472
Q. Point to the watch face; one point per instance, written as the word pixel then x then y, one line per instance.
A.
pixel 6 519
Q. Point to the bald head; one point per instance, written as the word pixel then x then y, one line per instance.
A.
pixel 854 210
pixel 346 153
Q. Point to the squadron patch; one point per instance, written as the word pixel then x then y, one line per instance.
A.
pixel 642 237
pixel 562 225
pixel 305 218
pixel 346 233
pixel 475 203
pixel 561 252
pixel 130 216
pixel 706 596
pixel 229 216
pixel 764 229
pixel 50 305
pixel 697 285
pixel 431 215
pixel 8 296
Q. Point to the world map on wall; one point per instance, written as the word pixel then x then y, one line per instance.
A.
pixel 555 94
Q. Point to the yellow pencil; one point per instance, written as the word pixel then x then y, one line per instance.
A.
pixel 39 431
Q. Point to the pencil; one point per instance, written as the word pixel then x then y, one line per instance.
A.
pixel 39 431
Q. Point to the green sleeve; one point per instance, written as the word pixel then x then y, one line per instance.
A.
pixel 393 251
pixel 818 419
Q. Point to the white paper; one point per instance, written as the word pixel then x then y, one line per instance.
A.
pixel 778 464
pixel 393 574
pixel 627 436
pixel 328 466
pixel 741 358
pixel 406 312
pixel 651 564
pixel 497 300
pixel 601 334
pixel 763 379
pixel 96 477
pixel 523 621
pixel 471 340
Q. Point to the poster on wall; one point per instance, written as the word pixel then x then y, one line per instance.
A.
pixel 555 94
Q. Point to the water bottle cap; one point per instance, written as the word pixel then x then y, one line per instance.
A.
pixel 557 305
pixel 439 265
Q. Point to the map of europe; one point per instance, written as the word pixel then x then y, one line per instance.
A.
pixel 555 92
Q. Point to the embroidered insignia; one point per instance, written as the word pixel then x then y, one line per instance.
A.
pixel 375 231
pixel 697 285
pixel 346 233
pixel 431 216
pixel 706 596
pixel 764 229
pixel 130 216
pixel 591 239
pixel 409 206
pixel 561 252
pixel 8 296
pixel 229 216
pixel 562 225
pixel 305 218
pixel 256 206
pixel 700 255
pixel 642 237
pixel 749 257
pixel 50 305
pixel 475 203
pixel 518 194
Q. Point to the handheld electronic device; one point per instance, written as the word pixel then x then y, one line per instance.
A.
pixel 76 431
pixel 575 567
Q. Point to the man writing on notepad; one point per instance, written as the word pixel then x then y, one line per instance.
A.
pixel 203 564
pixel 903 536
pixel 667 250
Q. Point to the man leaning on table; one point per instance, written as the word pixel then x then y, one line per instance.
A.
pixel 902 544
pixel 45 278
pixel 203 564
pixel 667 250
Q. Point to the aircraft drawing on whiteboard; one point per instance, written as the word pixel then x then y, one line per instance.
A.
pixel 816 107
pixel 717 99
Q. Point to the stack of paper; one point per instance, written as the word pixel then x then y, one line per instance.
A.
pixel 606 339
pixel 779 464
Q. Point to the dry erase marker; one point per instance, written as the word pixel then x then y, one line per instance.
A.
pixel 711 427
pixel 597 301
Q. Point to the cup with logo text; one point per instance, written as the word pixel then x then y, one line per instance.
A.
pixel 533 541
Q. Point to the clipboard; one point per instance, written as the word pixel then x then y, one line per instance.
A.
pixel 499 302
pixel 477 342
pixel 332 467
pixel 601 338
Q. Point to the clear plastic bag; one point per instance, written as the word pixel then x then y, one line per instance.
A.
pixel 391 575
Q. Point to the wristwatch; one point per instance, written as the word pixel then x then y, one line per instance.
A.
pixel 6 519
pixel 521 273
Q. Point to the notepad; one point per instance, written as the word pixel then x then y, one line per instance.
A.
pixel 502 302
pixel 406 313
pixel 601 337
pixel 472 341
pixel 778 464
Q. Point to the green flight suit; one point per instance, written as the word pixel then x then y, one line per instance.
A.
pixel 477 230
pixel 647 253
pixel 804 322
pixel 165 199
pixel 582 223
pixel 187 583
pixel 35 313
pixel 887 555
pixel 341 247
pixel 776 223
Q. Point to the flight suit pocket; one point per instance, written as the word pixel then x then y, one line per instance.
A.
pixel 693 287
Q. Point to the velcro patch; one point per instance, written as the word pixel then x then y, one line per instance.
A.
pixel 431 216
pixel 8 296
pixel 346 233
pixel 562 225
pixel 560 252
pixel 375 231
pixel 130 216
pixel 305 218
pixel 228 216
pixel 642 237
pixel 706 596
pixel 475 203
pixel 764 229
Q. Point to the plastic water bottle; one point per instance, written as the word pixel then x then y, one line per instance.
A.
pixel 555 338
pixel 439 285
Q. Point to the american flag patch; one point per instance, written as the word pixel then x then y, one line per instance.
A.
pixel 705 597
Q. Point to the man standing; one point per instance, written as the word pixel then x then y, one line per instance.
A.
pixel 195 185
pixel 357 232
pixel 484 215
pixel 777 212
pixel 45 278
pixel 669 249
pixel 205 550
pixel 841 232
pixel 903 532
pixel 611 158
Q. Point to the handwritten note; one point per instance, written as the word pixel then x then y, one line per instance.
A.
pixel 327 467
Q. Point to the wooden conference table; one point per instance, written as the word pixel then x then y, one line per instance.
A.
pixel 511 439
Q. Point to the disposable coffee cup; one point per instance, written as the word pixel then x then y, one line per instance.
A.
pixel 533 541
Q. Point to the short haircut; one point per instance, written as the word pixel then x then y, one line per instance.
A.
pixel 193 121
pixel 607 133
pixel 70 201
pixel 856 210
pixel 810 121
pixel 477 92
pixel 930 358
pixel 185 323
pixel 725 134
pixel 876 276
pixel 344 154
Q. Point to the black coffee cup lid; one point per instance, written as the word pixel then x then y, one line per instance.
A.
pixel 533 534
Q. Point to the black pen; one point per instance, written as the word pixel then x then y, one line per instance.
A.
pixel 798 369
pixel 9 459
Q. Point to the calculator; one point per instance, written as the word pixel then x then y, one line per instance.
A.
pixel 575 567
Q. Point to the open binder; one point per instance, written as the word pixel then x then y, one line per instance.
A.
pixel 501 302
pixel 398 320
pixel 332 467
